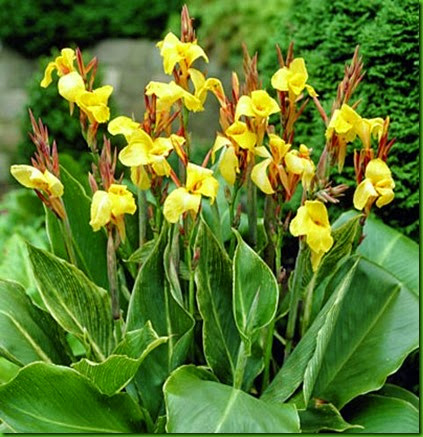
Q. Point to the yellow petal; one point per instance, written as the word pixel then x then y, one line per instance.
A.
pixel 103 93
pixel 135 154
pixel 315 258
pixel 101 210
pixel 317 212
pixel 200 180
pixel 162 146
pixel 192 52
pixel 280 79
pixel 278 147
pixel 386 196
pixel 259 176
pixel 297 66
pixel 178 202
pixel 29 177
pixel 311 91
pixel 229 165
pixel 244 107
pixel 177 143
pixel 71 86
pixel 47 79
pixel 220 142
pixel 122 200
pixel 239 132
pixel 300 223
pixel 160 166
pixel 377 170
pixel 363 193
pixel 55 187
pixel 122 125
pixel 140 177
pixel 263 105
pixel 294 163
pixel 262 152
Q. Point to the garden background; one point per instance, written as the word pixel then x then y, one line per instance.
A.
pixel 122 35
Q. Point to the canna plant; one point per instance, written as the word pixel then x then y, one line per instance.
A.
pixel 167 301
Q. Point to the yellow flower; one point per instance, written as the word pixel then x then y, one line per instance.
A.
pixel 300 163
pixel 31 177
pixel 202 85
pixel 200 182
pixel 71 86
pixel 169 93
pixel 313 222
pixel 143 150
pixel 378 184
pixel 259 105
pixel 123 125
pixel 228 164
pixel 272 164
pixel 94 103
pixel 343 123
pixel 110 206
pixel 63 64
pixel 242 136
pixel 140 178
pixel 293 78
pixel 174 51
pixel 366 128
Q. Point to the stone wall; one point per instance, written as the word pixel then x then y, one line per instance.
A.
pixel 127 64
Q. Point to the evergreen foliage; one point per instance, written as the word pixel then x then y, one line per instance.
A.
pixel 33 27
pixel 325 33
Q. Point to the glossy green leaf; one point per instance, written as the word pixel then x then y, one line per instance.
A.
pixel 55 235
pixel 221 339
pixel 152 300
pixel 90 246
pixel 113 374
pixel 376 329
pixel 197 404
pixel 390 249
pixel 395 391
pixel 255 292
pixel 77 304
pixel 293 371
pixel 382 414
pixel 8 370
pixel 27 333
pixel 323 417
pixel 45 398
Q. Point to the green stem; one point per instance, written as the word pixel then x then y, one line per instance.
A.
pixel 252 210
pixel 232 204
pixel 308 304
pixel 112 275
pixel 268 354
pixel 295 294
pixel 142 216
pixel 240 366
pixel 67 235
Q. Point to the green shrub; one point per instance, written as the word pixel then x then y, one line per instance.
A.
pixel 324 32
pixel 33 27
pixel 223 25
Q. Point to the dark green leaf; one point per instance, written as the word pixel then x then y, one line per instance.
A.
pixel 395 391
pixel 113 374
pixel 197 404
pixel 380 414
pixel 255 292
pixel 27 333
pixel 90 246
pixel 44 398
pixel 77 304
pixel 213 277
pixel 390 249
pixel 152 299
pixel 323 417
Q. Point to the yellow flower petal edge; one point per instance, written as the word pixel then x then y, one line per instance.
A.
pixel 260 178
pixel 31 177
pixel 63 64
pixel 178 202
pixel 201 181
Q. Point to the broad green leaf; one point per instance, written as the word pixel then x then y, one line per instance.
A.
pixel 45 398
pixel 323 417
pixel 77 304
pixel 27 333
pixel 8 370
pixel 255 292
pixel 15 265
pixel 90 246
pixel 376 329
pixel 395 391
pixel 390 249
pixel 55 235
pixel 197 404
pixel 142 253
pixel 213 277
pixel 113 374
pixel 293 371
pixel 152 300
pixel 382 414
